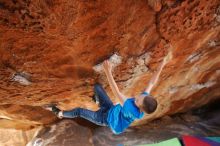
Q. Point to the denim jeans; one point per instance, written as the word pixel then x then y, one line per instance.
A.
pixel 97 117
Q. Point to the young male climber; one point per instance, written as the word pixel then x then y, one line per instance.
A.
pixel 117 117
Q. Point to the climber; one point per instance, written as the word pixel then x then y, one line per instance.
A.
pixel 117 117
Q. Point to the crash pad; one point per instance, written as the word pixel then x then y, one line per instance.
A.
pixel 209 141
pixel 193 141
pixel 170 142
pixel 216 139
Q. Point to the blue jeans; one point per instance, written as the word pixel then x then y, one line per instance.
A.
pixel 97 117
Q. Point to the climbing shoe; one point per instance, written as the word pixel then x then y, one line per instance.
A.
pixel 55 110
pixel 95 98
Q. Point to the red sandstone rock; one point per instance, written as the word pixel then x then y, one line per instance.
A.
pixel 155 4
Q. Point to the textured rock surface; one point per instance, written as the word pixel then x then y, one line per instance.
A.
pixel 65 133
pixel 13 137
pixel 48 49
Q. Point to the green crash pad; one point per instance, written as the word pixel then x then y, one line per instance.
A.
pixel 170 142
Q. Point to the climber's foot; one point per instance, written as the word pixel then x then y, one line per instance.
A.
pixel 53 108
pixel 95 98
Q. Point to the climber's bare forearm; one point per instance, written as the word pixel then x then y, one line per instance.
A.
pixel 114 87
pixel 155 78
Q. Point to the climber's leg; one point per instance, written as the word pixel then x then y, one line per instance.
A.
pixel 99 117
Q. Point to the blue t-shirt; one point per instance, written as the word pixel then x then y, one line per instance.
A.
pixel 119 118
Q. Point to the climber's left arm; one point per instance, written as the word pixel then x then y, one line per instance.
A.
pixel 156 76
pixel 108 71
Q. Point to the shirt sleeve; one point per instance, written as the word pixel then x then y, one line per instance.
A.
pixel 132 110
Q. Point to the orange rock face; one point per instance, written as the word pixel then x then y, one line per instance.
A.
pixel 48 49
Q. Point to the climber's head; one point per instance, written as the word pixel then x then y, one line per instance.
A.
pixel 146 103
